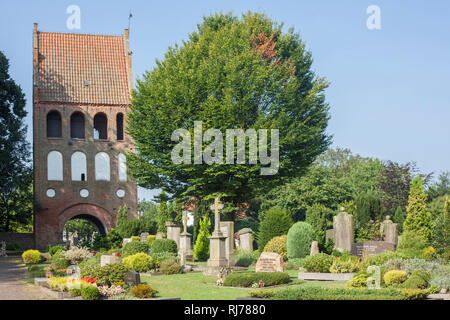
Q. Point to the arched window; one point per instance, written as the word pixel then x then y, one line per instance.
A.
pixel 77 125
pixel 122 167
pixel 54 124
pixel 119 126
pixel 78 164
pixel 54 166
pixel 100 126
pixel 102 168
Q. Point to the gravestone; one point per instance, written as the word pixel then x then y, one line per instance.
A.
pixel 107 259
pixel 217 259
pixel 160 235
pixel 329 234
pixel 125 241
pixel 185 249
pixel 314 248
pixel 144 236
pixel 246 239
pixel 388 230
pixel 132 278
pixel 227 228
pixel 269 262
pixel 343 231
pixel 173 232
pixel 371 247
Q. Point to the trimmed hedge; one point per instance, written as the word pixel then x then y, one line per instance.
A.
pixel 164 245
pixel 320 262
pixel 134 247
pixel 139 262
pixel 246 279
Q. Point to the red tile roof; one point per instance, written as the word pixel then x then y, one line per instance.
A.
pixel 82 68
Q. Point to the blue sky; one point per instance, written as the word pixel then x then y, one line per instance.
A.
pixel 389 93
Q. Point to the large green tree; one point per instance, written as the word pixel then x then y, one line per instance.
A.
pixel 231 73
pixel 16 201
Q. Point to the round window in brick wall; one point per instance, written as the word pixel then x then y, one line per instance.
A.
pixel 84 193
pixel 120 193
pixel 51 193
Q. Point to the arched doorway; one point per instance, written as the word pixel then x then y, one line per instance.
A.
pixel 82 229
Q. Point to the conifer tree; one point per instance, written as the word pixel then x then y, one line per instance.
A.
pixel 441 230
pixel 399 218
pixel 418 219
pixel 163 214
pixel 201 247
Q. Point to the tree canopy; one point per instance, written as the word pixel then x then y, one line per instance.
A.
pixel 231 73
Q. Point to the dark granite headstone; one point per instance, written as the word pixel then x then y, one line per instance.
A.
pixel 132 278
pixel 371 247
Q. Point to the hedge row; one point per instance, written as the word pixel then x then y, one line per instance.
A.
pixel 246 279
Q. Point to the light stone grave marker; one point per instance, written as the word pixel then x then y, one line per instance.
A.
pixel 269 262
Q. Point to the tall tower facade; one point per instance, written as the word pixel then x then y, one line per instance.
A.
pixel 81 95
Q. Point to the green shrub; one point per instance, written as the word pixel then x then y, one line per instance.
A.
pixel 54 249
pixel 75 292
pixel 139 262
pixel 299 239
pixel 88 268
pixel 345 264
pixel 419 279
pixel 246 279
pixel 31 256
pixel 58 283
pixel 162 256
pixel 276 222
pixel 359 280
pixel 171 266
pixel 278 245
pixel 244 258
pixel 134 247
pixel 164 245
pixel 90 293
pixel 111 273
pixel 293 264
pixel 59 259
pixel 150 239
pixel 379 259
pixel 429 253
pixel 262 294
pixel 320 293
pixel 12 246
pixel 320 262
pixel 441 281
pixel 135 238
pixel 114 238
pixel 394 277
pixel 142 291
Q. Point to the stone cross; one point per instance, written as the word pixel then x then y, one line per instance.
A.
pixel 216 207
pixel 185 218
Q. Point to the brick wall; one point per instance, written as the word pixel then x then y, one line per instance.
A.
pixel 25 240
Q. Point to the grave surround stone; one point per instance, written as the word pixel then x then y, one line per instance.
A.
pixel 269 262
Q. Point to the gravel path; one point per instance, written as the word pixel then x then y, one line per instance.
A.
pixel 12 271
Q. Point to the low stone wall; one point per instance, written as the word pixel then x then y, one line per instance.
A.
pixel 25 240
pixel 319 276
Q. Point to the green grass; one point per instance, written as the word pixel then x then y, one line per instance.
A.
pixel 196 286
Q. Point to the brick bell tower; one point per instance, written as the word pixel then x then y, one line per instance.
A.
pixel 81 95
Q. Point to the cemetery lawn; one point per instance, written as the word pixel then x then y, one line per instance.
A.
pixel 196 286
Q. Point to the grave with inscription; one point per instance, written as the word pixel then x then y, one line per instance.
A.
pixel 132 278
pixel 388 230
pixel 269 262
pixel 173 232
pixel 371 247
pixel 246 239
pixel 107 259
pixel 144 236
pixel 343 231
pixel 227 228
